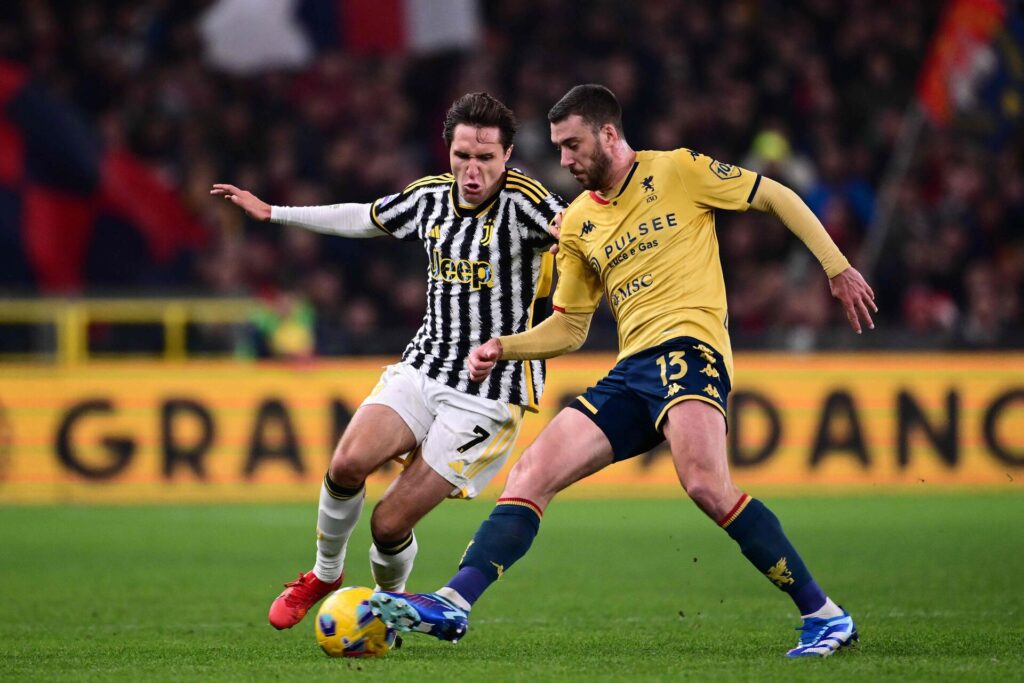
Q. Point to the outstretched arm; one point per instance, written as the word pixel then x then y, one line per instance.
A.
pixel 846 283
pixel 559 334
pixel 346 220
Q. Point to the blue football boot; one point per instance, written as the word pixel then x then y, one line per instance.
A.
pixel 421 612
pixel 821 637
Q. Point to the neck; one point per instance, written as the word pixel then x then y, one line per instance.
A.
pixel 623 157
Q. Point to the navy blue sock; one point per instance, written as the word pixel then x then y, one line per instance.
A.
pixel 502 539
pixel 764 543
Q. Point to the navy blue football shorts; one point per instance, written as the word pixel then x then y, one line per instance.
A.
pixel 629 404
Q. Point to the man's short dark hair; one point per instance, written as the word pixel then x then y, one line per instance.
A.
pixel 481 110
pixel 595 104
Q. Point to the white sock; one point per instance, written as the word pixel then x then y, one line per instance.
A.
pixel 827 611
pixel 335 521
pixel 392 571
pixel 453 596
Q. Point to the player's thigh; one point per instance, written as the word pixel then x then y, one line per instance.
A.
pixel 568 449
pixel 391 421
pixel 470 439
pixel 376 434
pixel 696 433
pixel 416 491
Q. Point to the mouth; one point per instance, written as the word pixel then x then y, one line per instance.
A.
pixel 471 188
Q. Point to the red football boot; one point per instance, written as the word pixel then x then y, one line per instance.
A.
pixel 298 596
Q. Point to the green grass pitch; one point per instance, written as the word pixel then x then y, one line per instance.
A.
pixel 624 590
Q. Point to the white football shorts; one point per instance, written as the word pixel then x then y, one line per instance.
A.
pixel 466 439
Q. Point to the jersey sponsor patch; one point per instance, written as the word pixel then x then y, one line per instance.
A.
pixel 725 171
pixel 384 201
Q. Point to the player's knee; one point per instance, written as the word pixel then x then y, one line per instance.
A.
pixel 346 469
pixel 527 479
pixel 388 525
pixel 710 492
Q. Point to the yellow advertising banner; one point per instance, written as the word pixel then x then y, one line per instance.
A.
pixel 137 431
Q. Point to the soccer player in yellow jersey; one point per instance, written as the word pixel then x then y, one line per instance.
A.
pixel 643 236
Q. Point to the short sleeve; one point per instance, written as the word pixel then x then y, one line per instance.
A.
pixel 714 184
pixel 396 213
pixel 538 207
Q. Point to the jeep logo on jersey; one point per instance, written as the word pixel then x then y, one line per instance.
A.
pixel 630 288
pixel 476 274
pixel 725 171
pixel 588 227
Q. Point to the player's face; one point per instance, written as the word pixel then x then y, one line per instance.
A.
pixel 478 161
pixel 582 152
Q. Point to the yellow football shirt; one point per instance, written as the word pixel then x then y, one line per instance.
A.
pixel 651 250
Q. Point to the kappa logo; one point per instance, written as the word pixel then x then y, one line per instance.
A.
pixel 725 171
pixel 588 227
pixel 709 371
pixel 712 392
pixel 673 389
pixel 648 184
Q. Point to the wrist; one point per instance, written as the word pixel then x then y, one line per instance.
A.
pixel 500 347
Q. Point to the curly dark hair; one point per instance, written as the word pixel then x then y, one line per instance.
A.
pixel 482 110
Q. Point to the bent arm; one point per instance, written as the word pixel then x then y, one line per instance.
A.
pixel 780 201
pixel 560 334
pixel 346 220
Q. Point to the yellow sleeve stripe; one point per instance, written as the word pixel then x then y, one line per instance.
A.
pixel 525 189
pixel 527 180
pixel 375 219
pixel 429 180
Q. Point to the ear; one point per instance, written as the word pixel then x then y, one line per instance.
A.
pixel 508 153
pixel 609 134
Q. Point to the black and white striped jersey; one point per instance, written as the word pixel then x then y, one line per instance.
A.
pixel 488 274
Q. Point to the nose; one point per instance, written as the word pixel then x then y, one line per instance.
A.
pixel 473 168
pixel 566 159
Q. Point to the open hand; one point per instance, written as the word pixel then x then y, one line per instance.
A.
pixel 483 358
pixel 247 201
pixel 856 296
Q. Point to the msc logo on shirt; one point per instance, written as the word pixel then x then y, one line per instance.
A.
pixel 476 274
pixel 629 288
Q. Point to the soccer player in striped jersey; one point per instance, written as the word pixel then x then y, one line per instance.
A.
pixel 485 230
pixel 643 235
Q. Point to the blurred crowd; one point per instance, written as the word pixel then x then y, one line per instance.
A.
pixel 812 93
